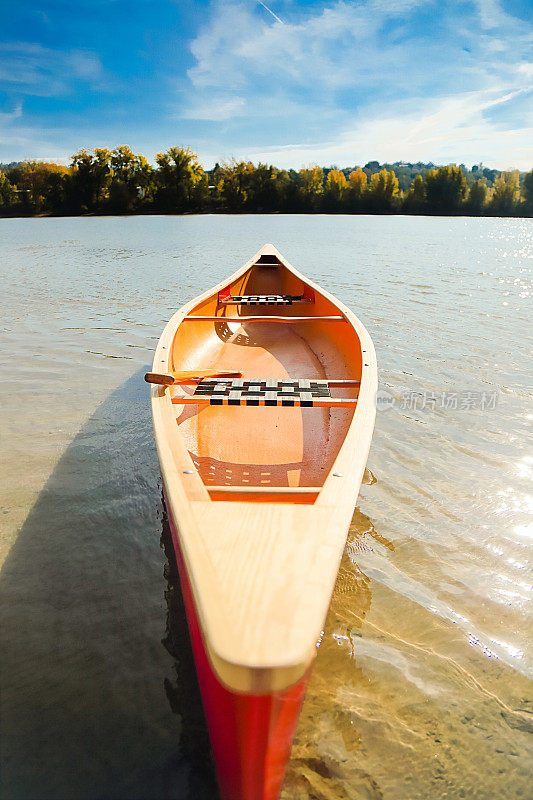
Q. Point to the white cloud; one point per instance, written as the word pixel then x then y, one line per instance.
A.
pixel 216 109
pixel 369 79
pixel 30 69
pixel 332 49
pixel 451 130
pixel 10 116
pixel 20 140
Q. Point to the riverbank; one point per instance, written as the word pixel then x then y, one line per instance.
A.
pixel 149 213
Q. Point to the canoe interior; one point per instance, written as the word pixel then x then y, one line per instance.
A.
pixel 243 446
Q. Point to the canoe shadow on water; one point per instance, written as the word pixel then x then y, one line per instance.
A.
pixel 88 689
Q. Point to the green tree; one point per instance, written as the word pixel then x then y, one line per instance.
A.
pixel 446 189
pixel 90 177
pixel 415 199
pixel 124 163
pixel 102 172
pixel 383 190
pixel 527 190
pixel 144 180
pixel 180 177
pixel 234 183
pixel 263 194
pixel 81 183
pixel 286 190
pixel 477 196
pixel 132 180
pixel 506 193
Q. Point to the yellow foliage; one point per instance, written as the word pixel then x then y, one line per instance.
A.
pixel 312 180
pixel 336 181
pixel 357 180
pixel 384 183
pixel 36 177
pixel 506 191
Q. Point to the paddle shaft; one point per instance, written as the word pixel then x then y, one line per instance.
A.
pixel 187 376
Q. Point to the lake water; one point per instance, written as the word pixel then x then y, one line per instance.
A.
pixel 422 686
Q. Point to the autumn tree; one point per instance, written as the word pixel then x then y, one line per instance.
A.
pixel 336 186
pixel 383 190
pixel 357 183
pixel 506 193
pixel 446 188
pixel 41 184
pixel 7 192
pixel 311 186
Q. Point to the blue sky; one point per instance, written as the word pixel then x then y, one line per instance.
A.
pixel 284 81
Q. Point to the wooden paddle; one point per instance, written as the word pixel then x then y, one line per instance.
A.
pixel 187 376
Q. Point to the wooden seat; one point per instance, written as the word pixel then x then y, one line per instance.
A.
pixel 304 392
pixel 272 299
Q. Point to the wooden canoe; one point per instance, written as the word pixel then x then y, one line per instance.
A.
pixel 261 476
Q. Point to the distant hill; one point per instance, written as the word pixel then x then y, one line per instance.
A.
pixel 11 165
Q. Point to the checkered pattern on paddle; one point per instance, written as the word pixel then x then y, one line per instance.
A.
pixel 264 299
pixel 264 392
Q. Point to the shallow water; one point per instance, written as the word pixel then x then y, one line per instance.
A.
pixel 422 686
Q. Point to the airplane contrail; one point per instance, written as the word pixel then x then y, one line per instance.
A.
pixel 271 12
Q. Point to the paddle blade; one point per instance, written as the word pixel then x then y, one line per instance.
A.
pixel 160 378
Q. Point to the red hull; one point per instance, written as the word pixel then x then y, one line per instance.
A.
pixel 251 735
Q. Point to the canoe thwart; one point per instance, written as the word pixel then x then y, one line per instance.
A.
pixel 273 382
pixel 268 261
pixel 289 490
pixel 221 400
pixel 253 318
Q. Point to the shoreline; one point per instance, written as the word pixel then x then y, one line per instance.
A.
pixel 212 212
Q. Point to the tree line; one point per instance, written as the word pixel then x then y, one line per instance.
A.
pixel 119 181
